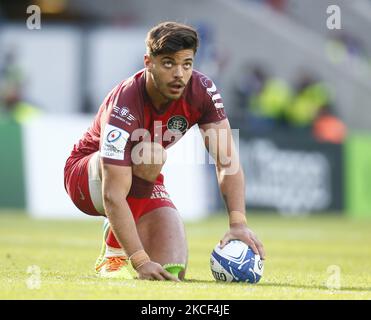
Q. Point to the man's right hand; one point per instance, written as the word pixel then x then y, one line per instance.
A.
pixel 154 271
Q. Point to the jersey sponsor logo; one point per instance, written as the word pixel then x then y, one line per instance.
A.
pixel 114 142
pixel 124 112
pixel 212 91
pixel 177 124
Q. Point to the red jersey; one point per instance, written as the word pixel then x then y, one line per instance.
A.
pixel 131 118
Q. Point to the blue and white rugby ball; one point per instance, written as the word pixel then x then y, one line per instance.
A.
pixel 236 262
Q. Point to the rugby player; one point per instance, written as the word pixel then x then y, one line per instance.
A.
pixel 115 169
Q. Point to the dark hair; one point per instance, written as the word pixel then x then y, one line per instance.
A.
pixel 170 37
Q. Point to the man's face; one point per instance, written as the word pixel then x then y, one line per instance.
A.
pixel 171 72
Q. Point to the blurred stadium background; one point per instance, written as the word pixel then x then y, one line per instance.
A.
pixel 298 92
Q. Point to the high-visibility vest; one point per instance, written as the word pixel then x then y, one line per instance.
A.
pixel 274 98
pixel 24 112
pixel 306 105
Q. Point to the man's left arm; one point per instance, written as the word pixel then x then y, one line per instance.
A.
pixel 219 142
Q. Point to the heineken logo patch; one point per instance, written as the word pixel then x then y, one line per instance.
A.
pixel 177 124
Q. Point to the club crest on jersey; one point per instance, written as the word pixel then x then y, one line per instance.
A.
pixel 177 124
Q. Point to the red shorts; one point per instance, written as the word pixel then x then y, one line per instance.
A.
pixel 83 185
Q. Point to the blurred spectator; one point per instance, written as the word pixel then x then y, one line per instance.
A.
pixel 250 83
pixel 278 5
pixel 311 96
pixel 352 45
pixel 344 47
pixel 329 128
pixel 211 58
pixel 264 98
pixel 269 103
pixel 273 99
pixel 11 82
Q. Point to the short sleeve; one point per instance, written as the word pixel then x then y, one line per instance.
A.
pixel 122 120
pixel 213 107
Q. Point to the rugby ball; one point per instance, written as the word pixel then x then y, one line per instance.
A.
pixel 236 262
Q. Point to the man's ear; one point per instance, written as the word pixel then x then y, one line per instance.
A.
pixel 148 62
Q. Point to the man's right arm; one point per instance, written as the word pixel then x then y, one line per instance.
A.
pixel 116 183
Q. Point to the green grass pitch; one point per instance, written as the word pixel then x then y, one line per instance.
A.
pixel 304 255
